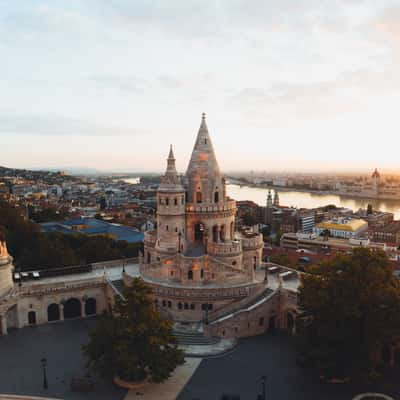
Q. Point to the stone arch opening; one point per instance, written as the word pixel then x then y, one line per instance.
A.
pixel 32 317
pixel 222 233
pixel 53 312
pixel 216 197
pixel 199 197
pixel 72 308
pixel 272 324
pixel 199 232
pixel 190 275
pixel 215 233
pixel 148 257
pixel 91 306
pixel 290 323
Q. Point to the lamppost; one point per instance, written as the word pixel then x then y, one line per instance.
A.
pixel 43 361
pixel 263 395
pixel 123 264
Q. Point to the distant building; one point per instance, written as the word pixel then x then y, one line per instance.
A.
pixel 342 227
pixel 388 234
pixel 95 227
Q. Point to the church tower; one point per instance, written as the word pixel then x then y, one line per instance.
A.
pixel 276 199
pixel 170 208
pixel 6 268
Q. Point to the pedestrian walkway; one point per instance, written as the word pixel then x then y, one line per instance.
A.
pixel 170 389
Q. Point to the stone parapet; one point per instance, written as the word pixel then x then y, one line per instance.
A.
pixel 150 238
pixel 252 242
pixel 230 248
pixel 228 206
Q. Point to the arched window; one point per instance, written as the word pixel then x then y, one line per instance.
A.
pixel 190 275
pixel 175 201
pixel 215 233
pixel 202 273
pixel 166 227
pixel 167 201
pixel 216 197
pixel 198 197
pixel 261 321
pixel 180 306
pixel 169 304
pixel 148 257
pixel 192 306
pixel 164 303
pixel 186 306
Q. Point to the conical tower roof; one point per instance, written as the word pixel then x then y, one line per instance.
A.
pixel 203 173
pixel 203 157
pixel 171 181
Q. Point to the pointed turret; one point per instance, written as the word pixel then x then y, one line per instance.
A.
pixel 205 183
pixel 171 181
pixel 269 199
pixel 276 198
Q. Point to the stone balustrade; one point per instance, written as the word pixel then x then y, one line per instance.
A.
pixel 229 205
pixel 250 242
pixel 230 248
pixel 150 238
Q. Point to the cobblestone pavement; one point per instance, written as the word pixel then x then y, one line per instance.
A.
pixel 239 373
pixel 22 350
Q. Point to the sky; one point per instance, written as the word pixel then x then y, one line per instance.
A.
pixel 305 85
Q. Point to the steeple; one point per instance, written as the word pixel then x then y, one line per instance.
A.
pixel 269 199
pixel 276 198
pixel 203 173
pixel 171 181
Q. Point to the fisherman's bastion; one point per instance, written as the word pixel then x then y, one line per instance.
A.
pixel 204 273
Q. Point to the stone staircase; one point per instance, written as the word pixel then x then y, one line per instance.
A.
pixel 186 338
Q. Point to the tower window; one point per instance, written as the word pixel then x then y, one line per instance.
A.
pixel 202 273
pixel 190 275
pixel 198 197
pixel 167 201
pixel 175 201
pixel 205 141
pixel 166 227
pixel 216 197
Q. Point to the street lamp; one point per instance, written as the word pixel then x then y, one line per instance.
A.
pixel 43 361
pixel 123 264
pixel 263 395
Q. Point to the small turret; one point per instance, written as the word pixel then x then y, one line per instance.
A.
pixel 6 267
pixel 276 199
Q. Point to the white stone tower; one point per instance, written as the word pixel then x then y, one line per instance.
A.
pixel 171 209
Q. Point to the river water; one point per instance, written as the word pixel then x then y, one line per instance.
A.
pixel 304 199
pixel 311 200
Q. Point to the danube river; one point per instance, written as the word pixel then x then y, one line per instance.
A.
pixel 305 199
pixel 310 200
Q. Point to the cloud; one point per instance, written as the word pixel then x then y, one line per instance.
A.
pixel 57 125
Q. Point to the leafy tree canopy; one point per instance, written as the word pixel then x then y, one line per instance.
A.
pixel 134 342
pixel 351 314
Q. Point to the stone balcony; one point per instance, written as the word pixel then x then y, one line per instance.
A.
pixel 226 206
pixel 230 248
pixel 150 238
pixel 251 241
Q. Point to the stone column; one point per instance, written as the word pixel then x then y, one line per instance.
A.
pixel 3 324
pixel 83 308
pixel 61 308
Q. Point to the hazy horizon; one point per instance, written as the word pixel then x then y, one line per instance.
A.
pixel 301 86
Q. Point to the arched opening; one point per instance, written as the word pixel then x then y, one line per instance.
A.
pixel 190 275
pixel 272 324
pixel 216 197
pixel 180 306
pixel 254 263
pixel 290 323
pixel 148 257
pixel 90 306
pixel 72 309
pixel 222 233
pixel 199 232
pixel 31 317
pixel 53 312
pixel 198 197
pixel 186 306
pixel 215 233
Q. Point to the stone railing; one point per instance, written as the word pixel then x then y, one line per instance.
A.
pixel 150 238
pixel 229 205
pixel 254 241
pixel 224 248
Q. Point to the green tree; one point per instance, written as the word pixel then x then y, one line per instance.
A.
pixel 351 314
pixel 134 342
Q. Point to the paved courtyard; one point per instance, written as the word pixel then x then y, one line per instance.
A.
pixel 22 350
pixel 271 355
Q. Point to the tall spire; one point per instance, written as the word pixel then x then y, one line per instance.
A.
pixel 171 181
pixel 269 199
pixel 203 172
